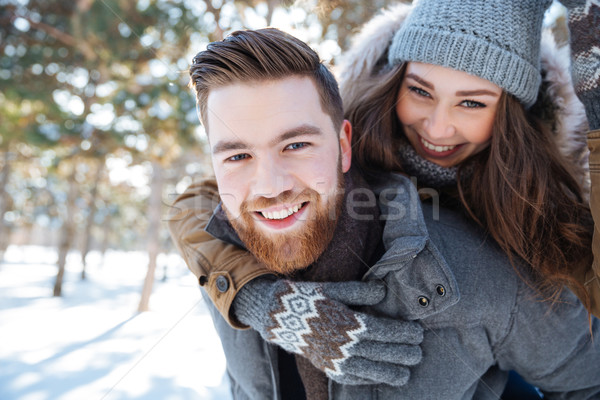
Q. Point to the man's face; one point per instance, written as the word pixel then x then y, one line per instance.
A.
pixel 279 165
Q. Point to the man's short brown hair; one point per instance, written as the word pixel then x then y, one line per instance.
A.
pixel 259 55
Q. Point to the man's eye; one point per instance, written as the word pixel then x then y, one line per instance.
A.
pixel 419 91
pixel 296 146
pixel 473 104
pixel 238 157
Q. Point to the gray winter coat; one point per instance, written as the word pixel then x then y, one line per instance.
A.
pixel 480 318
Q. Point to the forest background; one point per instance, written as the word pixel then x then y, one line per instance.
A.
pixel 98 128
pixel 99 133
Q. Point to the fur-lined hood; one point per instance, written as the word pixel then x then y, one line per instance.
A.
pixel 557 99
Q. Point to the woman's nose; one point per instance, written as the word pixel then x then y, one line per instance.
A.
pixel 439 125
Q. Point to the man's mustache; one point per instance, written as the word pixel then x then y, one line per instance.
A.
pixel 288 197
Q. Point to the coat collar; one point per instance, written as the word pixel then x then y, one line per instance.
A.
pixel 419 280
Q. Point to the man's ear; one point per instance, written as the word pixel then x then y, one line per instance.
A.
pixel 346 145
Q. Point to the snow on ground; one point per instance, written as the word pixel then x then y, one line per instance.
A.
pixel 92 344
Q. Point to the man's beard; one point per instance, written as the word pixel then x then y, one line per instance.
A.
pixel 285 253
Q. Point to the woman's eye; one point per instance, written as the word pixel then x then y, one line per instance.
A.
pixel 473 104
pixel 419 91
pixel 296 146
pixel 238 157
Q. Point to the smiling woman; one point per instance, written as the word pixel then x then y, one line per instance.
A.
pixel 473 122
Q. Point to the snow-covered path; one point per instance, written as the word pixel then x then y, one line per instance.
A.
pixel 92 344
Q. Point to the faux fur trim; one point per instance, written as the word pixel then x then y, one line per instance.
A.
pixel 562 109
pixel 369 45
pixel 569 121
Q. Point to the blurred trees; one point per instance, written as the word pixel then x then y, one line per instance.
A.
pixel 98 129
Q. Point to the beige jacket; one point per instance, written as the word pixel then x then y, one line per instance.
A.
pixel 591 279
pixel 221 268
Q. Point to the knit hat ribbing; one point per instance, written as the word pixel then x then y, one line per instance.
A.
pixel 497 40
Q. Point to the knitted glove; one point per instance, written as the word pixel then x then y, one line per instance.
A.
pixel 313 320
pixel 584 30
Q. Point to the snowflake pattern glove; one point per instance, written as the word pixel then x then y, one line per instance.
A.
pixel 314 320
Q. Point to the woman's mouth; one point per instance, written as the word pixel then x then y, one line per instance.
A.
pixel 438 151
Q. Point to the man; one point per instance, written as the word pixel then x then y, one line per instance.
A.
pixel 281 154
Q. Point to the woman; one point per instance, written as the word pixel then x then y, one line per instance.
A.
pixel 381 98
pixel 512 174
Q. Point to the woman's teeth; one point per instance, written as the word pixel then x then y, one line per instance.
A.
pixel 433 147
pixel 281 214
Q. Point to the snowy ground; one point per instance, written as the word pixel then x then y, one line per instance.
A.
pixel 92 344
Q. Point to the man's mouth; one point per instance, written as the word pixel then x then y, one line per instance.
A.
pixel 281 214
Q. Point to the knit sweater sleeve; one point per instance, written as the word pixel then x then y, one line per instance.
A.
pixel 584 17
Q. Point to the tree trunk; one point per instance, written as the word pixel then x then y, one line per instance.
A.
pixel 271 6
pixel 87 233
pixel 154 215
pixel 105 237
pixel 4 204
pixel 218 33
pixel 67 232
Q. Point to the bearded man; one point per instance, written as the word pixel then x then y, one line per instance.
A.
pixel 281 155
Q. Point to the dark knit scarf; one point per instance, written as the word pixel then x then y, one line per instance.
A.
pixel 356 244
pixel 429 174
pixel 426 172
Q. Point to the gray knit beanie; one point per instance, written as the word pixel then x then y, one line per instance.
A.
pixel 497 40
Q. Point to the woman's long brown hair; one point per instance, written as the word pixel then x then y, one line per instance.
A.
pixel 522 190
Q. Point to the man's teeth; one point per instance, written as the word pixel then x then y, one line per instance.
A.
pixel 282 213
pixel 439 149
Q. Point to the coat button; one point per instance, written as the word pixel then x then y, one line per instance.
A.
pixel 440 290
pixel 222 284
pixel 423 301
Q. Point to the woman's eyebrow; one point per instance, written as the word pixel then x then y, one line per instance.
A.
pixel 460 93
pixel 478 92
pixel 420 80
pixel 302 130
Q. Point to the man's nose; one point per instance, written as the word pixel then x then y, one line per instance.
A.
pixel 271 178
pixel 439 124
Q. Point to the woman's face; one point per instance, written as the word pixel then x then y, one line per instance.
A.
pixel 447 115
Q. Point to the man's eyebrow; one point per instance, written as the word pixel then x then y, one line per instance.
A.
pixel 301 130
pixel 420 80
pixel 228 145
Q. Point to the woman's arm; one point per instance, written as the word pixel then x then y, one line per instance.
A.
pixel 228 272
pixel 592 278
pixel 585 68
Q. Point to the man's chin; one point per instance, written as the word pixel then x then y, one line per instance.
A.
pixel 285 267
pixel 283 256
pixel 291 250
